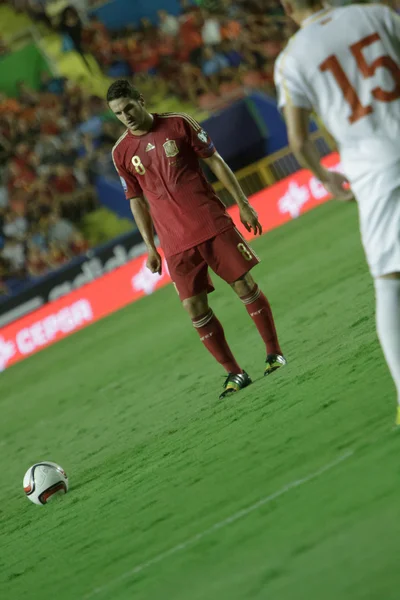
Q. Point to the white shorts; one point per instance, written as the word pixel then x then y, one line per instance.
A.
pixel 378 197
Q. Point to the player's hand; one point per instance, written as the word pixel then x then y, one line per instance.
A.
pixel 249 218
pixel 338 185
pixel 154 262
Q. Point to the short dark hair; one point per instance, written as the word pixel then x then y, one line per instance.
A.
pixel 122 89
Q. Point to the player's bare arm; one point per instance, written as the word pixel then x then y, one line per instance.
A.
pixel 224 174
pixel 144 222
pixel 297 121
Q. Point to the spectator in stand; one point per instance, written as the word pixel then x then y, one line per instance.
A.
pixel 49 124
pixel 74 201
pixel 91 124
pixel 71 28
pixel 191 41
pixel 59 229
pixel 211 30
pixel 15 226
pixel 13 252
pixel 93 26
pixel 3 197
pixel 78 244
pixel 9 106
pixel 168 24
pixel 38 234
pixel 20 177
pixel 232 53
pixel 26 95
pixel 65 185
pixel 230 29
pixel 68 153
pixel 191 83
pixel 147 29
pixel 232 10
pixel 213 62
pixel 37 263
pixel 49 149
pixel 57 255
pixel 102 48
pixel 52 85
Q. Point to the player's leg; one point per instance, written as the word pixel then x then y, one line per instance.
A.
pixel 229 255
pixel 210 331
pixel 189 272
pixel 378 196
pixel 387 292
pixel 259 310
pixel 212 336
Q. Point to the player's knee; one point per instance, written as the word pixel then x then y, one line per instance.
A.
pixel 196 306
pixel 243 286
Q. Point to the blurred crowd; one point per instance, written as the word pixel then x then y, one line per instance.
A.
pixel 53 143
pixel 207 52
pixel 213 49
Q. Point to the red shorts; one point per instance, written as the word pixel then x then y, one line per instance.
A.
pixel 228 255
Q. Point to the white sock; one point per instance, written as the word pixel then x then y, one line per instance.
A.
pixel 387 292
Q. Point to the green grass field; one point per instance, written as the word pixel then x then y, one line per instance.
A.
pixel 159 468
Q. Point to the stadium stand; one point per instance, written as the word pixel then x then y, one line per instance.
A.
pixel 202 55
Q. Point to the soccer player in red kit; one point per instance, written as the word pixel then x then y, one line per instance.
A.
pixel 157 159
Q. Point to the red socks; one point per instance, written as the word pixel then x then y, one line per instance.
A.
pixel 213 337
pixel 259 310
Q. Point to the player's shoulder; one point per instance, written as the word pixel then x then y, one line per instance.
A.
pixel 381 13
pixel 180 118
pixel 300 43
pixel 365 16
pixel 373 7
pixel 119 145
pixel 356 13
pixel 287 58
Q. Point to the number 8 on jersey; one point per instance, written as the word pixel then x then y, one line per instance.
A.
pixel 139 166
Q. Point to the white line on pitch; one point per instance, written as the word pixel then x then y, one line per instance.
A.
pixel 217 526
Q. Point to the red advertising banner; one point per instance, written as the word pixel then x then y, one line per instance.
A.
pixel 288 199
pixel 275 205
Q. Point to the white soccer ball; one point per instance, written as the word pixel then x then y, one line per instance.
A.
pixel 43 481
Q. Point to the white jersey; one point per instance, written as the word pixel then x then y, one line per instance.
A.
pixel 344 63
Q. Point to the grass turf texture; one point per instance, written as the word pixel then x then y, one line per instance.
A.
pixel 129 408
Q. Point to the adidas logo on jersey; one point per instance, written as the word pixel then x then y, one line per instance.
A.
pixel 149 147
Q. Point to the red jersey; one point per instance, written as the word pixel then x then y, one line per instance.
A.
pixel 163 165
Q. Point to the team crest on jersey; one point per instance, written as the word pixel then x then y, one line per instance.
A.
pixel 125 187
pixel 170 148
pixel 202 136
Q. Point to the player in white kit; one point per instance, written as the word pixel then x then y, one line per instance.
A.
pixel 344 64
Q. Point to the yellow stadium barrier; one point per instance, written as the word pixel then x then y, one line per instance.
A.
pixel 273 168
